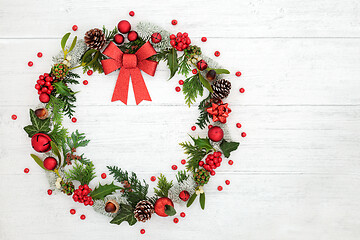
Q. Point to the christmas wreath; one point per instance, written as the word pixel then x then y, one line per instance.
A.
pixel 105 51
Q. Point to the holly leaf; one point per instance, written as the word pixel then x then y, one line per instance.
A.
pixel 219 71
pixel 170 210
pixel 203 143
pixel 103 190
pixel 202 200
pixel 38 125
pixel 38 161
pixel 172 62
pixel 228 147
pixel 205 83
pixel 126 214
pixel 191 200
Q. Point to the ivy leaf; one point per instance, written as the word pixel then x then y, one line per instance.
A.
pixel 126 214
pixel 103 190
pixel 64 40
pixel 202 200
pixel 30 130
pixel 219 71
pixel 38 161
pixel 172 62
pixel 38 125
pixel 205 83
pixel 170 210
pixel 203 143
pixel 191 200
pixel 62 89
pixel 228 147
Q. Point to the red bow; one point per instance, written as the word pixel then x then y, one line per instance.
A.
pixel 130 65
pixel 219 111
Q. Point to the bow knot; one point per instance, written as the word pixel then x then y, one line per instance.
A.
pixel 129 61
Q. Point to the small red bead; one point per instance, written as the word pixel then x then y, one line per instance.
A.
pixel 173 167
pixel 142 231
pixel 194 71
pixel 183 162
pixel 30 63
pixel 242 90
pixel 178 89
pixel 90 72
pixel 182 214
pixel 217 53
pixel 74 28
pixel 82 217
pixel 243 134
pixel 181 82
pixel 49 191
pixel 153 178
pixel 39 54
pixel 210 126
pixel 74 119
pixel 103 175
pixel 238 73
pixel 227 182
pixel 174 22
pixel 176 220
pixel 72 211
pixel 193 128
pixel 231 162
pixel 238 125
pixel 203 39
pixel 26 170
pixel 220 188
pixel 13 117
pixel 131 13
pixel 85 82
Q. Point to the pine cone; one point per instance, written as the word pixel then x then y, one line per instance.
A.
pixel 95 39
pixel 143 211
pixel 221 89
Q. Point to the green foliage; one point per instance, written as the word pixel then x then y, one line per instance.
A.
pixel 191 199
pixel 172 62
pixel 182 176
pixel 163 186
pixel 203 119
pixel 109 35
pixel 195 155
pixel 132 47
pixel 38 125
pixel 63 44
pixel 161 56
pixel 82 173
pixel 203 143
pixel 184 67
pixel 56 151
pixel 192 88
pixel 38 161
pixel 170 210
pixel 126 214
pixel 102 191
pixel 71 78
pixel 56 106
pixel 202 200
pixel 58 134
pixel 228 147
pixel 205 83
pixel 92 60
pixel 219 71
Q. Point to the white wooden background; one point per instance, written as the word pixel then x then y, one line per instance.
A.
pixel 296 174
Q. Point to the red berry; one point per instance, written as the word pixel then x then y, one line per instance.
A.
pixel 26 170
pixel 82 217
pixel 91 203
pixel 210 126
pixel 172 37
pixel 176 220
pixel 238 125
pixel 174 167
pixel 231 162
pixel 238 73
pixel 90 72
pixel 44 98
pixel 30 63
pixel 131 13
pixel 13 117
pixel 194 71
pixel 178 89
pixel 174 22
pixel 182 214
pixel 212 173
pixel 153 178
pixel 243 134
pixel 74 28
pixel 242 90
pixel 103 175
pixel 203 39
pixel 39 54
pixel 217 53
pixel 74 119
pixel 49 191
pixel 86 202
pixel 220 188
pixel 201 163
pixel 72 211
pixel 193 128
pixel 227 182
pixel 85 82
pixel 142 231
pixel 183 162
pixel 181 82
pixel 81 187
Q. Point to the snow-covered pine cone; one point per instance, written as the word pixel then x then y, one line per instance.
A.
pixel 95 39
pixel 143 211
pixel 221 89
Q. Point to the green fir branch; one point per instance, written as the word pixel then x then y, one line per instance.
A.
pixel 55 105
pixel 82 173
pixel 204 117
pixel 184 67
pixel 109 35
pixel 163 186
pixel 71 78
pixel 182 176
pixel 58 134
pixel 160 56
pixel 192 88
pixel 195 154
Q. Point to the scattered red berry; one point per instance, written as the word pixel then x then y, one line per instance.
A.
pixel 72 211
pixel 183 162
pixel 178 89
pixel 174 22
pixel 220 188
pixel 173 167
pixel 131 13
pixel 238 73
pixel 13 117
pixel 39 54
pixel 74 119
pixel 26 170
pixel 194 71
pixel 203 39
pixel 210 126
pixel 231 162
pixel 176 220
pixel 243 134
pixel 82 217
pixel 142 231
pixel 153 178
pixel 103 175
pixel 74 28
pixel 193 128
pixel 180 41
pixel 30 63
pixel 181 82
pixel 242 90
pixel 49 191
pixel 89 72
pixel 182 214
pixel 85 82
pixel 217 53
pixel 201 163
pixel 227 182
pixel 238 125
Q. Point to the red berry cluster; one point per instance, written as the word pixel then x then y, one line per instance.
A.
pixel 43 85
pixel 212 162
pixel 180 42
pixel 81 195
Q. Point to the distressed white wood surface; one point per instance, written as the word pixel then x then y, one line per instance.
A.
pixel 296 175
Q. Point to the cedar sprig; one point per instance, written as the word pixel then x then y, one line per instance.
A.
pixel 195 155
pixel 182 176
pixel 56 106
pixel 192 88
pixel 163 186
pixel 184 67
pixel 70 78
pixel 109 35
pixel 81 172
pixel 58 134
pixel 160 56
pixel 203 119
pixel 73 142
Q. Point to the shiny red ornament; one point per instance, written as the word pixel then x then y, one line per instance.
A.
pixel 142 231
pixel 181 82
pixel 193 128
pixel 103 175
pixel 203 39
pixel 49 191
pixel 74 28
pixel 90 72
pixel 72 211
pixel 132 36
pixel 227 182
pixel 156 37
pixel 44 97
pixel 131 13
pixel 215 134
pixel 201 65
pixel 220 188
pixel 13 117
pixel 182 214
pixel 217 53
pixel 238 125
pixel 174 22
pixel 118 39
pixel 160 206
pixel 50 163
pixel 183 162
pixel 243 134
pixel 39 54
pixel 238 73
pixel 124 26
pixel 176 220
pixel 82 217
pixel 153 178
pixel 173 167
pixel 178 89
pixel 41 142
pixel 26 170
pixel 242 90
pixel 74 120
pixel 231 162
pixel 219 111
pixel 184 195
pixel 85 82
pixel 30 63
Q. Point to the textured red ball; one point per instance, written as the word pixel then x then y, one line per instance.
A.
pixel 215 134
pixel 41 142
pixel 184 195
pixel 160 205
pixel 156 37
pixel 132 36
pixel 118 39
pixel 44 97
pixel 124 26
pixel 50 163
pixel 202 65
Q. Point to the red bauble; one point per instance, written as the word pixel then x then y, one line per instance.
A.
pixel 216 134
pixel 156 37
pixel 44 98
pixel 41 142
pixel 160 206
pixel 132 36
pixel 184 195
pixel 124 26
pixel 50 163
pixel 202 65
pixel 118 39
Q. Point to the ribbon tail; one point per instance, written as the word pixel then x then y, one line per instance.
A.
pixel 140 91
pixel 122 86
